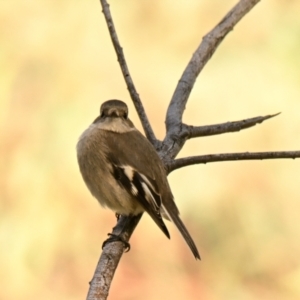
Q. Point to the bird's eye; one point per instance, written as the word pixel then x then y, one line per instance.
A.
pixel 125 115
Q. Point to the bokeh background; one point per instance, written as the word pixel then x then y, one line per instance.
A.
pixel 57 65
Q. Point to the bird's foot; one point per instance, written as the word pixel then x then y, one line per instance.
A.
pixel 116 238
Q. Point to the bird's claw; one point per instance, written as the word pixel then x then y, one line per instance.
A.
pixel 116 238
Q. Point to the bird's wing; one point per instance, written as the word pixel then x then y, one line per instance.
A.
pixel 142 190
pixel 153 195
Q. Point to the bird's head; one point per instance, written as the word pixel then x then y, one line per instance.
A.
pixel 114 117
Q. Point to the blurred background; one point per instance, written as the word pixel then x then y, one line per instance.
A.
pixel 57 65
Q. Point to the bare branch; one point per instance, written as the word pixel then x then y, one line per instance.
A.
pixel 203 159
pixel 199 59
pixel 104 273
pixel 125 71
pixel 199 131
pixel 110 257
pixel 174 140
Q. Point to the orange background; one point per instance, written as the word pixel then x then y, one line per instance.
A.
pixel 57 65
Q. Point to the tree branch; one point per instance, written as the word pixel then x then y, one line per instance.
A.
pixel 208 158
pixel 173 141
pixel 198 131
pixel 110 257
pixel 199 59
pixel 125 71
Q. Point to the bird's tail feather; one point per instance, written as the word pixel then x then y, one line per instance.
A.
pixel 184 232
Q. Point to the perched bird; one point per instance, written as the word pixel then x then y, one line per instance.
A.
pixel 123 171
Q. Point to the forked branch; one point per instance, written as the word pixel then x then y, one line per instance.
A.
pixel 172 143
pixel 204 52
pixel 177 133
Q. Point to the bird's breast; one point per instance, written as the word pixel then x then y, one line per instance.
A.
pixel 97 172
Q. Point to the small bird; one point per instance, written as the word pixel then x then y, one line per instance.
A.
pixel 123 171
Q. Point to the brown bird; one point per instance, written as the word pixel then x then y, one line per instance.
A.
pixel 123 171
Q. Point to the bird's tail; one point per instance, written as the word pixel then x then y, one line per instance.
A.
pixel 174 217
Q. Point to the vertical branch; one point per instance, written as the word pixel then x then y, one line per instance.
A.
pixel 125 71
pixel 203 53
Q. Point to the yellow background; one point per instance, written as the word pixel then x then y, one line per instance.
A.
pixel 57 65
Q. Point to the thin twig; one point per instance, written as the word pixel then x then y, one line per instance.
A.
pixel 199 59
pixel 198 131
pixel 208 158
pixel 125 71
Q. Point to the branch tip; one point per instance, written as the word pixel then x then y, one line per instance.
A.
pixel 235 126
pixel 208 158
